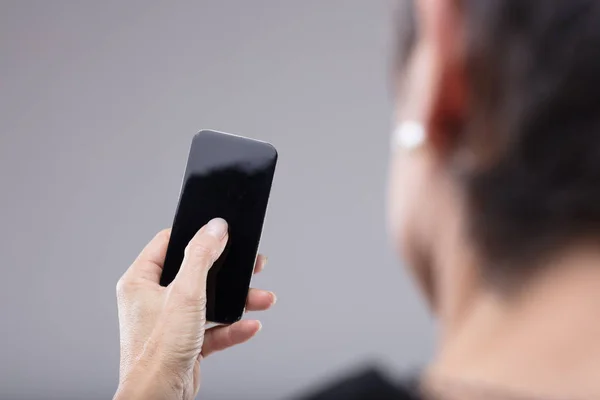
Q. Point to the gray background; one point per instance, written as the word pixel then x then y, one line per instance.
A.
pixel 98 103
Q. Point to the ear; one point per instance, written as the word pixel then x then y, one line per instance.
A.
pixel 442 34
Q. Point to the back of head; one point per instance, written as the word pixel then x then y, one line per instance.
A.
pixel 532 129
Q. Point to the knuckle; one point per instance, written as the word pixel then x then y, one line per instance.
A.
pixel 202 303
pixel 191 299
pixel 229 339
pixel 199 249
pixel 122 285
pixel 126 286
pixel 188 299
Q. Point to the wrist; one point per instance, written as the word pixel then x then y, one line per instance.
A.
pixel 149 383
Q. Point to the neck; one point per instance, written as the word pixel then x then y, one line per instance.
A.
pixel 544 341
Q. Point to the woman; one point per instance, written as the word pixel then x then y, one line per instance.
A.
pixel 494 203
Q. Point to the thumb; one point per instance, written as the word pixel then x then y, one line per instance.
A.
pixel 200 254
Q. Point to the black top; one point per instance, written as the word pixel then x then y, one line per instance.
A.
pixel 369 384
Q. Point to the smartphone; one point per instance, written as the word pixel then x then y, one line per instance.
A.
pixel 230 177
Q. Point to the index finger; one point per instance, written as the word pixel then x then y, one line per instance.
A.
pixel 200 254
pixel 149 263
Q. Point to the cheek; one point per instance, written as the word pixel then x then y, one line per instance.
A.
pixel 408 208
pixel 410 216
pixel 400 208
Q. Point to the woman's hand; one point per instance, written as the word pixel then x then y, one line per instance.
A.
pixel 163 335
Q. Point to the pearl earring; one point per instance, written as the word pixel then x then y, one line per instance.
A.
pixel 409 135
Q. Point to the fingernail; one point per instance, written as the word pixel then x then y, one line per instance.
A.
pixel 274 297
pixel 217 227
pixel 266 260
pixel 259 326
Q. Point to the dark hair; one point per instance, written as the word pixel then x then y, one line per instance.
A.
pixel 533 70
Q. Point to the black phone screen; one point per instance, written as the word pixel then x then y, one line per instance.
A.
pixel 229 177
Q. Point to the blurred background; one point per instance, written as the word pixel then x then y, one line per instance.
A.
pixel 98 105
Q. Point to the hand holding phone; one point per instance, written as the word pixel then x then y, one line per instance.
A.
pixel 163 333
pixel 229 177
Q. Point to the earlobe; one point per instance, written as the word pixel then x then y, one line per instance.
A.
pixel 409 135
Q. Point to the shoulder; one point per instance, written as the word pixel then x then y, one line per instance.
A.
pixel 366 384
